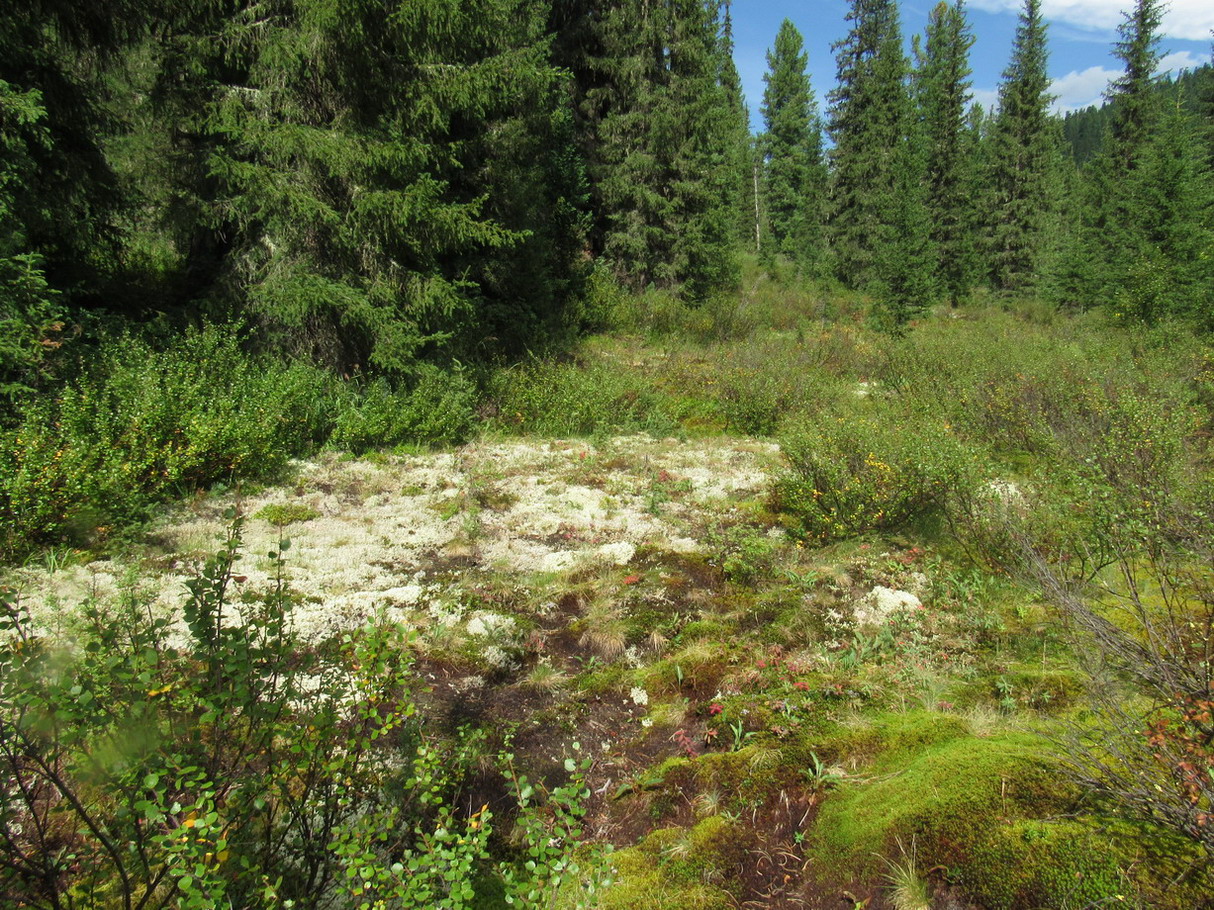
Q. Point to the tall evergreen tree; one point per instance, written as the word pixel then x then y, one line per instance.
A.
pixel 60 201
pixel 370 228
pixel 878 224
pixel 794 175
pixel 663 175
pixel 1147 230
pixel 1166 264
pixel 1136 108
pixel 1205 103
pixel 741 146
pixel 1024 156
pixel 864 125
pixel 58 194
pixel 943 94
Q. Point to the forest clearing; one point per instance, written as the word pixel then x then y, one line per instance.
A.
pixel 762 698
pixel 449 460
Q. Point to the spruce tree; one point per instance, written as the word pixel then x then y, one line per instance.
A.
pixel 794 175
pixel 663 176
pixel 61 204
pixel 877 223
pixel 905 258
pixel 1166 266
pixel 1135 102
pixel 943 94
pixel 741 146
pixel 863 124
pixel 705 159
pixel 1024 157
pixel 59 198
pixel 370 228
pixel 1147 219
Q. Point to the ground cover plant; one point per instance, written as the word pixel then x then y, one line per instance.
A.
pixel 936 629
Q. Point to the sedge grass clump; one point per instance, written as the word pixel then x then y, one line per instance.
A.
pixel 908 890
pixel 544 677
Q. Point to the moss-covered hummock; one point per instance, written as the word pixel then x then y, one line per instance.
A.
pixel 973 808
pixel 676 869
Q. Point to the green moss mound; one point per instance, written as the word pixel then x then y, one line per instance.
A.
pixel 673 869
pixel 968 805
pixel 1031 864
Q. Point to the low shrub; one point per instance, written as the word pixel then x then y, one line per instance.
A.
pixel 140 424
pixel 437 408
pixel 653 312
pixel 565 399
pixel 864 472
pixel 236 766
pixel 286 513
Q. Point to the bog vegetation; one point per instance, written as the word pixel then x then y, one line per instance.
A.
pixel 447 461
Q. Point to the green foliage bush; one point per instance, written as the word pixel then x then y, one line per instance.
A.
pixel 858 472
pixel 439 408
pixel 717 319
pixel 653 312
pixel 562 399
pixel 755 400
pixel 288 513
pixel 764 383
pixel 604 305
pixel 1035 390
pixel 1113 468
pixel 30 314
pixel 140 424
pixel 238 766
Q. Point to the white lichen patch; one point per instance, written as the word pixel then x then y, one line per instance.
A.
pixel 387 531
pixel 619 553
pixel 490 625
pixel 879 604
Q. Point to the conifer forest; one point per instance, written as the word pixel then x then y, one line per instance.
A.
pixel 468 455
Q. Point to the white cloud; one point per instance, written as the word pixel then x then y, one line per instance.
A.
pixel 1081 88
pixel 1180 60
pixel 987 97
pixel 1192 20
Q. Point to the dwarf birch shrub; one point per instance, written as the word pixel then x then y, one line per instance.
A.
pixel 764 383
pixel 142 424
pixel 233 767
pixel 555 399
pixel 438 408
pixel 856 473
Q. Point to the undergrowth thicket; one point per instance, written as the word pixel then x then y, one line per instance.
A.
pixel 228 765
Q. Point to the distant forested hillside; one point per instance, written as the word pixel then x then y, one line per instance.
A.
pixel 1084 129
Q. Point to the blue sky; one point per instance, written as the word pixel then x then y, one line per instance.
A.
pixel 1081 32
